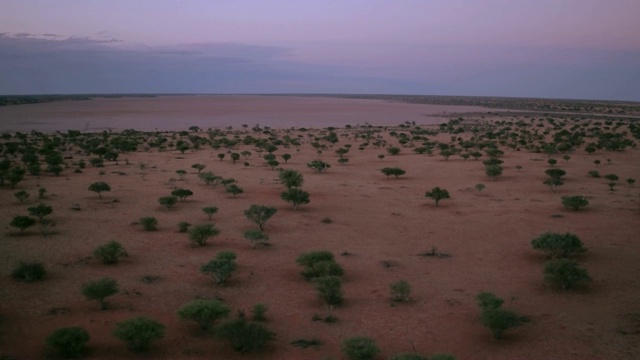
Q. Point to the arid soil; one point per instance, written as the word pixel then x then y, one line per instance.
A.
pixel 378 228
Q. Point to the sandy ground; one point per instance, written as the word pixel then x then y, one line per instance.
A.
pixel 374 219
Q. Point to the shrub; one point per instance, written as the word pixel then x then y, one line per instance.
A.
pixel 393 150
pixel 181 193
pixel 99 290
pixel 221 267
pixel 553 183
pixel 233 189
pixel 400 291
pixel 558 245
pixel 480 187
pixel 204 312
pixel 500 320
pixel 310 258
pixel 318 165
pixel 40 211
pixel 257 237
pixel 199 234
pixel 437 194
pixel 110 253
pixel 29 272
pixel 137 333
pixel 168 201
pixel 322 268
pixel 295 196
pixel 258 312
pixel 396 172
pixel 99 187
pixel 329 289
pixel 574 202
pixel 198 167
pixel 493 171
pixel 245 336
pixel 565 273
pixel 22 222
pixel 360 348
pixel 487 300
pixel 290 178
pixel 68 342
pixel 209 211
pixel 259 214
pixel 409 356
pixel 183 226
pixel 149 223
pixel 442 357
pixel 21 195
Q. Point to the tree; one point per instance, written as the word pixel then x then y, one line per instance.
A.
pixel 15 176
pixel 233 189
pixel 183 226
pixel 555 173
pixel 329 288
pixel 393 150
pixel 168 201
pixel 360 348
pixel 21 195
pixel 199 234
pixel 181 173
pixel 149 223
pixel 437 194
pixel 99 187
pixel 182 193
pixel 497 319
pixel 574 202
pixel 221 156
pixel 245 336
pixel 493 171
pixel 393 171
pixel 221 267
pixel 204 312
pixel 209 178
pixel 553 183
pixel 258 238
pixel 400 291
pixel 99 290
pixel 565 273
pixel 290 178
pixel 110 253
pixel 612 180
pixel 318 165
pixel 310 258
pixel 29 272
pixel 295 196
pixel 68 342
pixel 260 214
pixel 631 181
pixel 557 245
pixel 480 187
pixel 22 222
pixel 137 333
pixel 198 167
pixel 321 269
pixel 210 210
pixel 40 211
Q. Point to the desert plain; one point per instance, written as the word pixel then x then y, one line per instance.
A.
pixel 381 229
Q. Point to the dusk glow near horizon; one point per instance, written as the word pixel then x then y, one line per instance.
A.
pixel 581 49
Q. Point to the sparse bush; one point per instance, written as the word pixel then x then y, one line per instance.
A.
pixel 210 211
pixel 295 196
pixel 221 267
pixel 322 268
pixel 204 312
pixel 110 253
pixel 99 187
pixel 137 333
pixel 329 289
pixel 360 348
pixel 245 336
pixel 437 194
pixel 290 178
pixel 68 342
pixel 29 272
pixel 574 202
pixel 168 201
pixel 318 165
pixel 565 273
pixel 258 238
pixel 22 222
pixel 149 223
pixel 310 258
pixel 558 245
pixel 480 187
pixel 199 234
pixel 493 171
pixel 400 291
pixel 99 290
pixel 233 189
pixel 258 312
pixel 40 211
pixel 21 195
pixel 487 300
pixel 260 214
pixel 495 318
pixel 183 226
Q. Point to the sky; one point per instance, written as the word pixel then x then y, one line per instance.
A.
pixel 577 49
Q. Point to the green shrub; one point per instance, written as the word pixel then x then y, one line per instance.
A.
pixel 487 300
pixel 21 195
pixel 22 222
pixel 408 356
pixel 574 202
pixel 99 290
pixel 500 320
pixel 565 273
pixel 442 357
pixel 68 342
pixel 149 223
pixel 258 312
pixel 29 272
pixel 360 348
pixel 322 268
pixel 183 226
pixel 181 193
pixel 480 187
pixel 329 288
pixel 204 312
pixel 221 267
pixel 137 333
pixel 400 291
pixel 393 150
pixel 40 211
pixel 396 172
pixel 558 245
pixel 259 214
pixel 245 336
pixel 168 201
pixel 493 171
pixel 290 178
pixel 295 196
pixel 594 174
pixel 310 258
pixel 209 211
pixel 110 253
pixel 258 238
pixel 437 194
pixel 318 165
pixel 99 187
pixel 199 234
